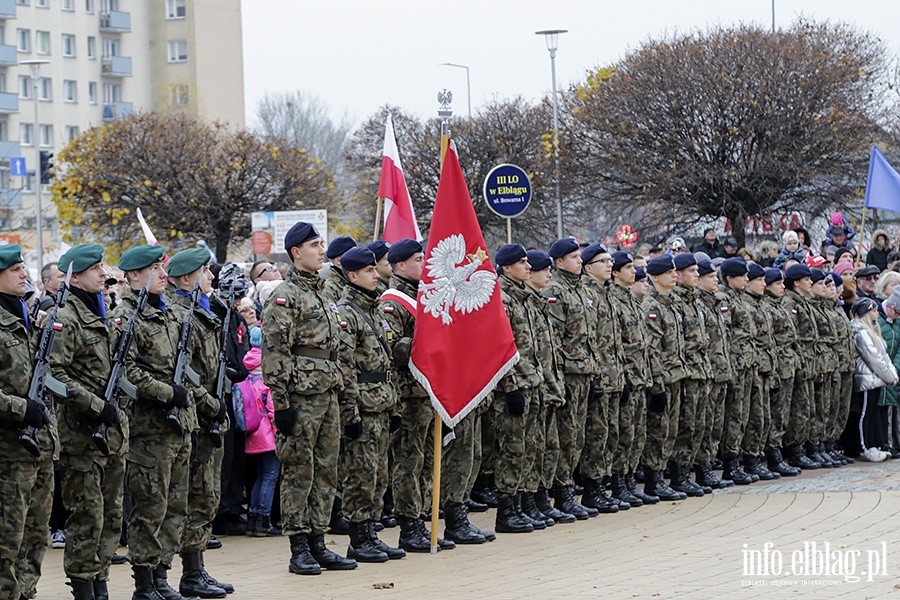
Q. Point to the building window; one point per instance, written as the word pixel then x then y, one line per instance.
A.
pixel 42 3
pixel 25 86
pixel 67 4
pixel 92 47
pixel 110 47
pixel 178 94
pixel 109 5
pixel 46 135
pixel 71 132
pixel 22 2
pixel 4 131
pixel 68 44
pixel 89 6
pixel 45 88
pixel 112 92
pixel 25 131
pixel 92 92
pixel 177 51
pixel 42 42
pixel 175 9
pixel 2 84
pixel 23 40
pixel 70 90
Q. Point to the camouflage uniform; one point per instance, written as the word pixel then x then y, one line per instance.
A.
pixel 300 339
pixel 461 458
pixel 720 376
pixel 846 355
pixel 369 397
pixel 91 482
pixel 156 470
pixel 573 315
pixel 785 365
pixel 26 483
pixel 335 285
pixel 805 345
pixel 741 330
pixel 666 357
pixel 697 374
pixel 759 417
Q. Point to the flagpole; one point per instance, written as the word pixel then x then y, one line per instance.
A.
pixel 862 236
pixel 378 205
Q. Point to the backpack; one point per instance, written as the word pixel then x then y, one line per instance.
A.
pixel 247 397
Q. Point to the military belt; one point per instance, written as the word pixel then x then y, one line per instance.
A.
pixel 316 353
pixel 376 377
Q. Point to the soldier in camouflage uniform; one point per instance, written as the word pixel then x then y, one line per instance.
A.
pixel 186 269
pixel 697 374
pixel 720 374
pixel 633 409
pixel 602 427
pixel 336 281
pixel 827 363
pixel 368 407
pixel 759 418
pixel 666 356
pixel 156 473
pixel 26 482
pixel 573 316
pixel 300 340
pixel 380 249
pixel 846 352
pixel 91 480
pixel 785 366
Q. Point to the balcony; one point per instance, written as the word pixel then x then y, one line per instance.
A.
pixel 9 103
pixel 117 110
pixel 117 66
pixel 115 21
pixel 8 56
pixel 7 9
pixel 8 149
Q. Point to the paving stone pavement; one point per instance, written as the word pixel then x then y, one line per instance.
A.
pixel 700 548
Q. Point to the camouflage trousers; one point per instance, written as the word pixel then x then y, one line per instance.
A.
pixel 662 429
pixel 820 401
pixel 780 410
pixel 714 421
pixel 91 489
pixel 798 424
pixel 536 444
pixel 413 447
pixel 309 463
pixel 638 404
pixel 365 468
pixel 513 459
pixel 625 439
pixel 489 443
pixel 600 426
pixel 737 401
pixel 26 496
pixel 204 492
pixel 691 417
pixel 570 423
pixel 156 475
pixel 461 459
pixel 758 418
pixel 842 409
pixel 829 406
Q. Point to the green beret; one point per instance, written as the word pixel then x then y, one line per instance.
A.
pixel 81 258
pixel 187 261
pixel 141 257
pixel 10 254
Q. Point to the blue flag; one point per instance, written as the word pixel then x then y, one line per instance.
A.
pixel 883 184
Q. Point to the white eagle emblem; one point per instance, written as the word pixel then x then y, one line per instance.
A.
pixel 461 287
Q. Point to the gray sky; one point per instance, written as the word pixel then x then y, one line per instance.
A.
pixel 359 55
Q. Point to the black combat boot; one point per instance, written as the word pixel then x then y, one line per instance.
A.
pixel 476 507
pixel 707 477
pixel 796 457
pixel 565 502
pixel 681 482
pixel 655 485
pixel 361 547
pixel 777 464
pixel 605 489
pixel 621 492
pixel 461 517
pixel 832 452
pixel 101 590
pixel 827 455
pixel 631 484
pixel 456 525
pixel 302 561
pixel 508 519
pixel 212 580
pixel 812 452
pixel 161 582
pixel 411 539
pixel 530 508
pixel 594 498
pixel 734 472
pixel 536 524
pixel 392 553
pixel 192 581
pixel 542 500
pixel 327 559
pixel 143 585
pixel 482 492
pixel 82 589
pixel 338 524
pixel 753 466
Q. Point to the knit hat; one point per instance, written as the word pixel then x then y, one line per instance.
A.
pixel 840 252
pixel 256 337
pixel 790 236
pixel 843 267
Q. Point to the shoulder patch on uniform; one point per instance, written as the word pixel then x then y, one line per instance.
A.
pixel 389 309
pixel 344 324
pixel 551 300
pixel 57 326
pixel 118 320
pixel 651 316
pixel 280 301
pixel 723 309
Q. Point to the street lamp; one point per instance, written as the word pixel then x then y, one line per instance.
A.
pixel 35 137
pixel 552 38
pixel 468 84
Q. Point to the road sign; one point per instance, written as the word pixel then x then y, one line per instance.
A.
pixel 507 190
pixel 17 166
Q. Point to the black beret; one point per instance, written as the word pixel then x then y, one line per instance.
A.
pixel 81 258
pixel 589 253
pixel 509 254
pixel 660 264
pixel 796 272
pixel 403 249
pixel 10 254
pixel 755 271
pixel 734 267
pixel 300 232
pixel 639 273
pixel 773 275
pixel 838 280
pixel 705 267
pixel 339 246
pixel 560 248
pixel 816 275
pixel 684 260
pixel 379 248
pixel 355 259
pixel 187 261
pixel 539 260
pixel 141 257
pixel 620 259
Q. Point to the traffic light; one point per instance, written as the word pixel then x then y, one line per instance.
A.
pixel 46 165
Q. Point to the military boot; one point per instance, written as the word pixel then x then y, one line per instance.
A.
pixel 161 582
pixel 456 525
pixel 101 590
pixel 508 519
pixel 605 489
pixel 594 498
pixel 831 451
pixel 812 452
pixel 536 524
pixel 338 524
pixel 796 457
pixel 482 492
pixel 327 559
pixel 462 517
pixel 655 485
pixel 392 553
pixel 827 455
pixel 542 500
pixel 530 508
pixel 302 561
pixel 777 464
pixel 212 580
pixel 631 484
pixel 621 492
pixel 81 589
pixel 707 477
pixel 566 503
pixel 361 547
pixel 753 466
pixel 411 539
pixel 734 472
pixel 192 581
pixel 143 585
pixel 681 482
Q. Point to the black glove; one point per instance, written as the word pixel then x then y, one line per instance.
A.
pixel 626 394
pixel 109 415
pixel 395 423
pixel 353 430
pixel 515 403
pixel 220 416
pixel 34 414
pixel 180 396
pixel 658 402
pixel 285 420
pixel 236 375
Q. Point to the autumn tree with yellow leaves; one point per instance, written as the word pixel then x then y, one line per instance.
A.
pixel 191 179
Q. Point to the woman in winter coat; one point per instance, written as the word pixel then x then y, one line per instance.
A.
pixel 874 370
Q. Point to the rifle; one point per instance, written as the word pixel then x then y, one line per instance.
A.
pixel 182 368
pixel 213 430
pixel 117 382
pixel 41 379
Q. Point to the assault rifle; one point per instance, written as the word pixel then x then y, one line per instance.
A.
pixel 182 368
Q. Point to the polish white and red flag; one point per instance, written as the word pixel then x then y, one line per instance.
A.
pixel 399 217
pixel 463 343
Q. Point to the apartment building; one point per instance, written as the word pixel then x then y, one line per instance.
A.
pixel 104 60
